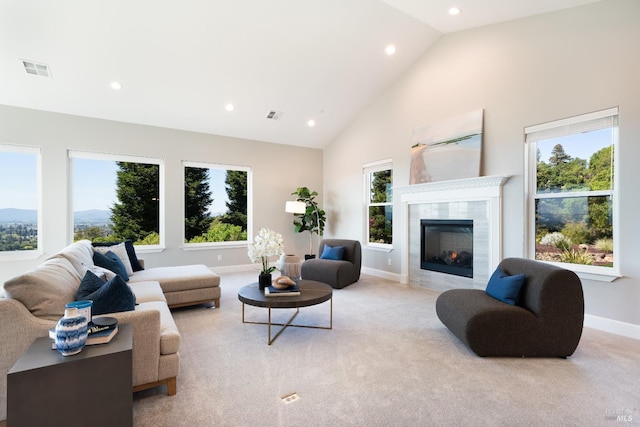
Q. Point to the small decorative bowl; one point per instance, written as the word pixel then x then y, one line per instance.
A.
pixel 283 282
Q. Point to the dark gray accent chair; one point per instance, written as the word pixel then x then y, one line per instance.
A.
pixel 338 274
pixel 546 321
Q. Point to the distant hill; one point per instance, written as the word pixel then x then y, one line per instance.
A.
pixel 30 216
pixel 92 216
pixel 22 216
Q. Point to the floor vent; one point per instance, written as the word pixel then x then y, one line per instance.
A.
pixel 291 397
pixel 36 68
pixel 274 115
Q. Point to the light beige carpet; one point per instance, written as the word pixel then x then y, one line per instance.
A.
pixel 388 361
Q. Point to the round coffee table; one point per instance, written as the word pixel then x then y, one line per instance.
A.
pixel 311 293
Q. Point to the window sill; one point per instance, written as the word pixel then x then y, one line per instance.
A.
pixel 378 247
pixel 213 245
pixel 20 255
pixel 598 274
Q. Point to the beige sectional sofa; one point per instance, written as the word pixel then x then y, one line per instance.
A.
pixel 34 301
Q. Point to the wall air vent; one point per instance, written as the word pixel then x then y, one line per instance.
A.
pixel 274 115
pixel 36 68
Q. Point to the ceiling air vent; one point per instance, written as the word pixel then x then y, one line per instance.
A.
pixel 274 115
pixel 36 68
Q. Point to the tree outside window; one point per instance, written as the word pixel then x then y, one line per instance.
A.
pixel 573 190
pixel 215 198
pixel 116 198
pixel 379 181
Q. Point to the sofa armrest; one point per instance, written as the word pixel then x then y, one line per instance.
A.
pixel 18 329
pixel 146 342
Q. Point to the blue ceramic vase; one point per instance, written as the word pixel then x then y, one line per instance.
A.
pixel 71 332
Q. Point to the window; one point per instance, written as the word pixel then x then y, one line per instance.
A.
pixel 19 199
pixel 572 192
pixel 215 203
pixel 117 197
pixel 378 178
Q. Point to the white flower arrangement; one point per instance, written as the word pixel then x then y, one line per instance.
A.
pixel 266 244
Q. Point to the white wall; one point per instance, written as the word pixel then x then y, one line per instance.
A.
pixel 277 171
pixel 521 73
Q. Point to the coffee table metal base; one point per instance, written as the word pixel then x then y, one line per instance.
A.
pixel 311 293
pixel 288 323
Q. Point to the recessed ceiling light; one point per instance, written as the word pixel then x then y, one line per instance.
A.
pixel 311 123
pixel 116 86
pixel 229 107
pixel 455 11
pixel 390 49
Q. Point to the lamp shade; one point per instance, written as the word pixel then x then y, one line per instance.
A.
pixel 295 207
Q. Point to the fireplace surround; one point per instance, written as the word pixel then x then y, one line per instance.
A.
pixel 472 199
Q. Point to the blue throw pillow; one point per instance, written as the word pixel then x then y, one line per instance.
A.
pixel 112 297
pixel 505 288
pixel 335 253
pixel 111 262
pixel 89 284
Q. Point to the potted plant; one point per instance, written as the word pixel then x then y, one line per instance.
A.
pixel 312 220
pixel 266 244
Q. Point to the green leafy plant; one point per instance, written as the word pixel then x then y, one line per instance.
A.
pixel 313 219
pixel 577 232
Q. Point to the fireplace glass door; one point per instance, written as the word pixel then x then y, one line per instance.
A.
pixel 447 246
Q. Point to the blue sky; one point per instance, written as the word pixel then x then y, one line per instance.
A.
pixel 581 146
pixel 98 190
pixel 93 183
pixel 19 187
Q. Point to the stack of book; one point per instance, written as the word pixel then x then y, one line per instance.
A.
pixel 96 334
pixel 287 292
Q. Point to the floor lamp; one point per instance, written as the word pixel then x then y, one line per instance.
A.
pixel 296 207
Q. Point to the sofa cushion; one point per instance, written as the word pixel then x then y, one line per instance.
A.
pixel 79 254
pixel 112 262
pixel 332 252
pixel 131 252
pixel 46 289
pixel 147 291
pixel 179 278
pixel 505 288
pixel 121 251
pixel 110 297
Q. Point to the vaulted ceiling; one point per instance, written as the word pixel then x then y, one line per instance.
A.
pixel 181 64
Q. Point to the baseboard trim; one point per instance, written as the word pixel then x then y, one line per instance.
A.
pixel 382 274
pixel 628 330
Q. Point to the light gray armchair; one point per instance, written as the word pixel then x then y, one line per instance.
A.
pixel 336 273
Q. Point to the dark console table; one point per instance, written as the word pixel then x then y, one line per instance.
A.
pixel 92 388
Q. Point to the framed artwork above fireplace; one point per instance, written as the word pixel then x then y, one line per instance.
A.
pixel 447 150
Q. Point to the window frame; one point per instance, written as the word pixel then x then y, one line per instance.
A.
pixel 367 170
pixel 34 253
pixel 231 244
pixel 565 127
pixel 90 155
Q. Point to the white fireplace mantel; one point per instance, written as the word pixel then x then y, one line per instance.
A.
pixel 484 188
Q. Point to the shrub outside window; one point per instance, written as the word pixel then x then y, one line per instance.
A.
pixel 572 189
